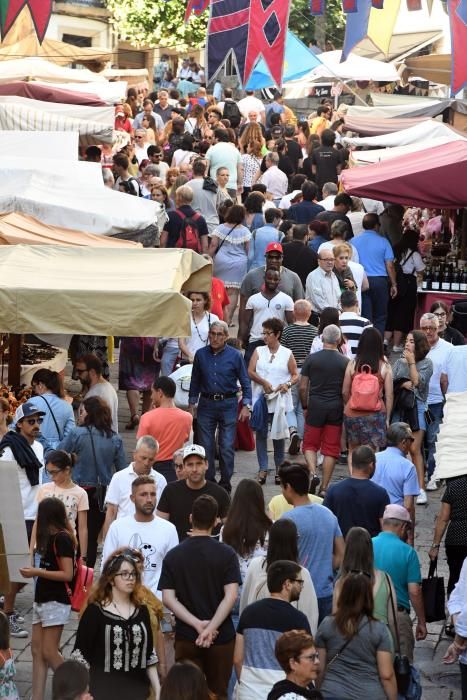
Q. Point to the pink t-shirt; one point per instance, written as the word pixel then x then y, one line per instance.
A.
pixel 74 499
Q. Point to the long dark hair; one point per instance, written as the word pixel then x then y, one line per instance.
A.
pixel 98 414
pixel 370 350
pixel 329 315
pixel 247 522
pixel 51 380
pixel 61 459
pixel 4 631
pixel 358 553
pixel 51 518
pixel 407 244
pixel 355 601
pixel 421 346
pixel 185 681
pixel 283 542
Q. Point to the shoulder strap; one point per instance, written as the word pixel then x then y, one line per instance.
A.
pixel 393 608
pixel 53 416
pixel 180 214
pixel 94 453
pixel 344 646
pixel 68 589
pixel 224 239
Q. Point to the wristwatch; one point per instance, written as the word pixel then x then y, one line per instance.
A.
pixel 249 407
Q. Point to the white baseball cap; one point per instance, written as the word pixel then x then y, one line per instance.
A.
pixel 194 450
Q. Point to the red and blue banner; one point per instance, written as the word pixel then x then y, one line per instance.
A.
pixel 458 21
pixel 40 12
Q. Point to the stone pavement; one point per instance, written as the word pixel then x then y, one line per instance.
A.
pixel 440 682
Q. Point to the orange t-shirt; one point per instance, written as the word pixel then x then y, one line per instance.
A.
pixel 169 426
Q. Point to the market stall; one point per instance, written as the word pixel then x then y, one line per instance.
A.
pixel 426 130
pixel 48 93
pixel 369 126
pixel 419 107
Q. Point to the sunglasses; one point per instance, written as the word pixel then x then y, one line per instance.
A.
pixel 33 421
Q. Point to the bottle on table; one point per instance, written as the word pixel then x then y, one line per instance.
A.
pixel 427 278
pixel 447 278
pixel 435 281
pixel 463 280
pixel 455 283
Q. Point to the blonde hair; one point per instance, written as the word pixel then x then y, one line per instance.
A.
pixel 342 248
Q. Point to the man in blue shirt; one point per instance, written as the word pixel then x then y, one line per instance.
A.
pixel 400 561
pixel 377 257
pixel 308 209
pixel 216 370
pixel 320 543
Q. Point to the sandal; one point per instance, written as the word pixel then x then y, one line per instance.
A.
pixel 277 480
pixel 261 478
pixel 133 422
pixel 314 482
pixel 322 494
pixel 449 630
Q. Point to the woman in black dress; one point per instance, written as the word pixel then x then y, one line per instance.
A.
pixel 445 331
pixel 114 635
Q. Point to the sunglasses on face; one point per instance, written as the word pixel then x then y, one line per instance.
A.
pixel 33 421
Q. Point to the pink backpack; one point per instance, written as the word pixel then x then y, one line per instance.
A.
pixel 365 392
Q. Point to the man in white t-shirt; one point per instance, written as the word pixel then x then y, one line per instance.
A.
pixel 89 370
pixel 250 103
pixel 458 369
pixel 268 303
pixel 152 535
pixel 118 496
pixel 224 154
pixel 22 447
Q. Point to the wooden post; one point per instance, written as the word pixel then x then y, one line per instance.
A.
pixel 14 362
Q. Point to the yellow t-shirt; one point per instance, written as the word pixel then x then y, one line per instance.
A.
pixel 278 505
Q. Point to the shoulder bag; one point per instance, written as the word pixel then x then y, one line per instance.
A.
pixel 53 417
pixel 433 594
pixel 402 666
pixel 82 581
pixel 344 646
pixel 224 239
pixel 100 488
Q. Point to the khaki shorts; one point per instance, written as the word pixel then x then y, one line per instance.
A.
pixel 406 634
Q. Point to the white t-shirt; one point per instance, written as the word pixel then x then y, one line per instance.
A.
pixel 105 391
pixel 440 355
pixel 358 275
pixel 28 492
pixel 458 369
pixel 250 103
pixel 267 308
pixel 119 489
pixel 200 331
pixel 154 539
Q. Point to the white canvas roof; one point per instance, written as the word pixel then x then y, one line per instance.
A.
pixel 380 154
pixel 354 68
pixel 426 108
pixel 109 92
pixel 39 69
pixel 424 131
pixel 98 115
pixel 61 145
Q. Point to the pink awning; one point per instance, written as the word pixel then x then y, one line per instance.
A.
pixel 50 94
pixel 371 126
pixel 435 177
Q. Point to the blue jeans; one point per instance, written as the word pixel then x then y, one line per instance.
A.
pixel 375 302
pixel 220 415
pixel 169 357
pixel 278 445
pixel 297 407
pixel 324 608
pixel 436 409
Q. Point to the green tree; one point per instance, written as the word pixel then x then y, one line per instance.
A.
pixel 157 23
pixel 304 25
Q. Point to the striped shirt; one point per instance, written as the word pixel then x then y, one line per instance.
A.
pixel 299 338
pixel 352 326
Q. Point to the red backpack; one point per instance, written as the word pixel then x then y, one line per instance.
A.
pixel 365 392
pixel 189 232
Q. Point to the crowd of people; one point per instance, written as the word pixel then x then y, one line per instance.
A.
pixel 312 594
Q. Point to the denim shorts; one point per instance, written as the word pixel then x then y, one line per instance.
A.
pixel 50 614
pixel 421 408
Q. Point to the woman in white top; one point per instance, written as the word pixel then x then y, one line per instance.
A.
pixel 273 371
pixel 201 320
pixel 184 154
pixel 329 315
pixel 401 309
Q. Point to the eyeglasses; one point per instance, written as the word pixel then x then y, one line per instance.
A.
pixel 310 657
pixel 428 328
pixel 179 465
pixel 139 137
pixel 327 259
pixel 33 421
pixel 440 314
pixel 216 335
pixel 53 472
pixel 127 575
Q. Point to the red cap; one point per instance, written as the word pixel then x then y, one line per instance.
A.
pixel 274 246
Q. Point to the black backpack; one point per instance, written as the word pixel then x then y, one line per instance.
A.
pixel 232 113
pixel 133 179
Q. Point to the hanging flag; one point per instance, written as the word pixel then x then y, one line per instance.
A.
pixel 458 21
pixel 381 24
pixel 197 7
pixel 40 12
pixel 356 27
pixel 247 30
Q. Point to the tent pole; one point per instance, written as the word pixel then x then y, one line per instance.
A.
pixel 14 361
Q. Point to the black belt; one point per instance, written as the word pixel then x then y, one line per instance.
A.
pixel 400 608
pixel 219 397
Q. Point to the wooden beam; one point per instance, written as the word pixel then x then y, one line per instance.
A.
pixel 14 362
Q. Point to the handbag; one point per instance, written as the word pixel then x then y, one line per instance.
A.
pixel 433 594
pixel 344 646
pixel 81 583
pixel 402 666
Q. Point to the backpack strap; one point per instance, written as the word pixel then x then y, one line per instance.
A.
pixel 53 417
pixel 180 214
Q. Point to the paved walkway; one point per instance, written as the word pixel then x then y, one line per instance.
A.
pixel 440 682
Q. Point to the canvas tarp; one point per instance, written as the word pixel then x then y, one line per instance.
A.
pixel 98 115
pixel 435 67
pixel 424 131
pixel 433 178
pixel 95 291
pixel 379 154
pixel 47 145
pixel 71 195
pixel 49 93
pixel 369 126
pixel 429 108
pixel 16 229
pixel 58 52
pixel 109 93
pixel 39 69
pixel 19 117
pixel 354 68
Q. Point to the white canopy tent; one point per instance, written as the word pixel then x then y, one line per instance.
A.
pixel 71 195
pixel 424 131
pixel 35 68
pixel 98 115
pixel 427 108
pixel 35 145
pixel 381 154
pixel 108 92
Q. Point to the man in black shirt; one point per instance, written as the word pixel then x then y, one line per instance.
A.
pixel 293 149
pixel 342 205
pixel 326 161
pixel 176 501
pixel 199 583
pixel 173 227
pixel 358 501
pixel 298 257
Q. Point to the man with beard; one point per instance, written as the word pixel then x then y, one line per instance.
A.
pixel 152 535
pixel 261 624
pixel 22 446
pixel 89 371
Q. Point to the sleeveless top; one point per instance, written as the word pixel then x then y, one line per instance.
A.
pixel 274 368
pixel 355 414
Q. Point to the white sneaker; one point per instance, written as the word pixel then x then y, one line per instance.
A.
pixel 397 348
pixel 422 498
pixel 432 485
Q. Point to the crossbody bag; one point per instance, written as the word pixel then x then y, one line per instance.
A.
pixel 53 417
pixel 344 646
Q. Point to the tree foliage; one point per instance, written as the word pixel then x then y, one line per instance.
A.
pixel 157 23
pixel 161 23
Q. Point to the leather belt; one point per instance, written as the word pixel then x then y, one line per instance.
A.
pixel 219 397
